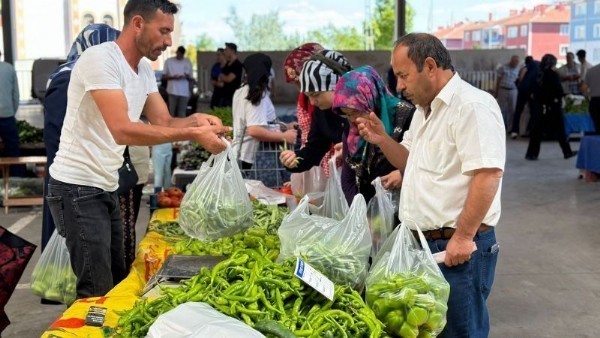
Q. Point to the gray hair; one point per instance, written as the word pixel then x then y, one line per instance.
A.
pixel 423 45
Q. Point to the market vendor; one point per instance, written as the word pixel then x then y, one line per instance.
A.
pixel 110 86
pixel 358 93
pixel 318 78
pixel 452 158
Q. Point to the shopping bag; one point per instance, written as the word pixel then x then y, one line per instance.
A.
pixel 15 253
pixel 406 288
pixel 310 181
pixel 337 248
pixel 199 320
pixel 216 204
pixel 380 213
pixel 53 278
pixel 331 203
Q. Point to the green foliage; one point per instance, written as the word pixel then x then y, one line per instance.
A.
pixel 224 113
pixel 339 38
pixel 383 23
pixel 264 32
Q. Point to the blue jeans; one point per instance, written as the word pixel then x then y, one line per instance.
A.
pixel 162 154
pixel 90 219
pixel 470 286
pixel 9 134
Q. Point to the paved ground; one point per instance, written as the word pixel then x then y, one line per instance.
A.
pixel 548 272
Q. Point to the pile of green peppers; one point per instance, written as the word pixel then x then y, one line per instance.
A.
pixel 252 288
pixel 410 305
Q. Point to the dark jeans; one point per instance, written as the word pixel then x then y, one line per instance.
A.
pixel 470 286
pixel 10 137
pixel 595 113
pixel 90 219
pixel 552 118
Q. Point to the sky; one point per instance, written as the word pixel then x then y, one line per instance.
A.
pixel 303 15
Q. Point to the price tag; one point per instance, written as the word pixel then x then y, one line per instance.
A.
pixel 95 316
pixel 314 278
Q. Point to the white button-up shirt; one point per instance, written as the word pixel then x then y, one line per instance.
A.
pixel 464 132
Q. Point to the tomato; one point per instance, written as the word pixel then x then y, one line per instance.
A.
pixel 164 202
pixel 174 192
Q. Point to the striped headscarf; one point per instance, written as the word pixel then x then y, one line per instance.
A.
pixel 322 71
pixel 293 63
pixel 363 89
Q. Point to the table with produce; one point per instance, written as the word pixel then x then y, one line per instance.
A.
pixel 273 272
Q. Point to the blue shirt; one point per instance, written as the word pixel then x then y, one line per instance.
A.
pixel 9 90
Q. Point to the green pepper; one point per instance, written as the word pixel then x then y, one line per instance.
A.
pixel 394 320
pixel 408 331
pixel 416 316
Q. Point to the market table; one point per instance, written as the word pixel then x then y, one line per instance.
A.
pixel 588 157
pixel 151 253
pixel 5 163
pixel 578 123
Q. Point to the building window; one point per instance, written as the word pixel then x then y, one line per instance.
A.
pixel 597 7
pixel 108 19
pixel 468 36
pixel 596 54
pixel 581 9
pixel 513 32
pixel 476 35
pixel 563 49
pixel 88 19
pixel 597 30
pixel 523 30
pixel 564 29
pixel 524 47
pixel 580 32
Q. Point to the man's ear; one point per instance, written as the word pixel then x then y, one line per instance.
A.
pixel 137 22
pixel 430 65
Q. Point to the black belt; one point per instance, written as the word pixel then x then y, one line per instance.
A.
pixel 506 88
pixel 446 233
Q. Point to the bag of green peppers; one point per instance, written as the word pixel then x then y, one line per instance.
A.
pixel 380 213
pixel 216 204
pixel 337 248
pixel 405 287
pixel 53 278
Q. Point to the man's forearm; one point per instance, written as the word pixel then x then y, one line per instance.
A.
pixel 482 191
pixel 139 134
pixel 395 153
pixel 263 134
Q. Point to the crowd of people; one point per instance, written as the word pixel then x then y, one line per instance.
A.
pixel 433 136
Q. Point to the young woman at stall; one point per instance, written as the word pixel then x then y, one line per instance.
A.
pixel 358 93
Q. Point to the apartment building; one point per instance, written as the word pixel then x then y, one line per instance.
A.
pixel 585 28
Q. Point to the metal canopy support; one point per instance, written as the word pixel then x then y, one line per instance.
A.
pixel 400 22
pixel 7 31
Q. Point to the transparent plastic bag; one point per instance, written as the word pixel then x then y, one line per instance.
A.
pixel 337 248
pixel 311 181
pixel 380 213
pixel 199 320
pixel 53 278
pixel 216 204
pixel 406 288
pixel 331 203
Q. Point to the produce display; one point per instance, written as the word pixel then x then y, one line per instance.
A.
pixel 250 287
pixel 56 283
pixel 192 157
pixel 29 133
pixel 576 104
pixel 171 198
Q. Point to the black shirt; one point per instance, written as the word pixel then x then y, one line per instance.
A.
pixel 229 88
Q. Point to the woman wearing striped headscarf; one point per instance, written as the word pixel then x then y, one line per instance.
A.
pixel 358 93
pixel 317 79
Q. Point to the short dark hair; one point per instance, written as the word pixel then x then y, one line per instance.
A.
pixel 231 46
pixel 423 45
pixel 147 8
pixel 220 50
pixel 181 49
pixel 581 53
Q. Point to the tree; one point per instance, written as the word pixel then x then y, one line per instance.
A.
pixel 202 43
pixel 383 21
pixel 263 31
pixel 338 38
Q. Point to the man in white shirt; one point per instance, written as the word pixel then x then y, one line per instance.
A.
pixel 506 90
pixel 569 75
pixel 178 72
pixel 452 158
pixel 110 86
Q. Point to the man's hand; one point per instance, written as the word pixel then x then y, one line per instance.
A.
pixel 392 180
pixel 203 119
pixel 458 250
pixel 338 148
pixel 290 136
pixel 288 159
pixel 209 137
pixel 371 129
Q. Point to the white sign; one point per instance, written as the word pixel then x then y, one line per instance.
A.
pixel 314 278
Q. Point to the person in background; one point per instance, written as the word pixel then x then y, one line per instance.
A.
pixel 55 104
pixel 452 158
pixel 506 90
pixel 253 111
pixel 178 72
pixel 110 87
pixel 162 155
pixel 392 81
pixel 584 65
pixel 592 89
pixel 358 93
pixel 570 76
pixel 217 96
pixel 231 74
pixel 548 95
pixel 525 85
pixel 9 104
pixel 318 78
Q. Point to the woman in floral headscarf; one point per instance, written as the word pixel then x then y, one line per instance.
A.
pixel 358 93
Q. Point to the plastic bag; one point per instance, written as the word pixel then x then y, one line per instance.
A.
pixel 216 204
pixel 199 320
pixel 338 249
pixel 53 278
pixel 332 203
pixel 380 213
pixel 406 288
pixel 311 181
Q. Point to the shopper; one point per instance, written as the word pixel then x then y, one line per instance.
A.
pixel 216 100
pixel 179 74
pixel 506 90
pixel 231 74
pixel 452 158
pixel 110 86
pixel 9 104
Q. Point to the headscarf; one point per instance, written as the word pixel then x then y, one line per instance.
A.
pixel 91 35
pixel 322 71
pixel 364 90
pixel 257 65
pixel 293 63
